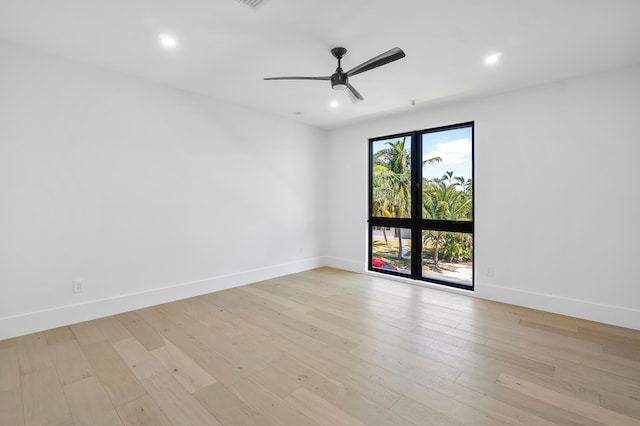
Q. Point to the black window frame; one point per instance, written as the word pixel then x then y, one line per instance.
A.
pixel 416 223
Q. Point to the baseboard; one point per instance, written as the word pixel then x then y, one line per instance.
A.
pixel 344 264
pixel 599 312
pixel 32 322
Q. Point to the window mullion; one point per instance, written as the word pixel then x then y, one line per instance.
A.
pixel 416 213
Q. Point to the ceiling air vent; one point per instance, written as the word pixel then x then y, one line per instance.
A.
pixel 252 3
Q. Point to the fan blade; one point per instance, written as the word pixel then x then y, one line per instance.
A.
pixel 353 94
pixel 298 78
pixel 382 59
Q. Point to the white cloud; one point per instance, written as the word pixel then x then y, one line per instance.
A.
pixel 454 152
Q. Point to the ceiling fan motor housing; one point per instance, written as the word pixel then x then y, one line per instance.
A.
pixel 339 80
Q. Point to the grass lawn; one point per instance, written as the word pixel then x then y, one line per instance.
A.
pixel 390 253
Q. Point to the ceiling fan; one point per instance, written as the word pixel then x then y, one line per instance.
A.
pixel 340 79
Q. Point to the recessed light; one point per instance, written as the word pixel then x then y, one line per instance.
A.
pixel 334 104
pixel 493 58
pixel 167 40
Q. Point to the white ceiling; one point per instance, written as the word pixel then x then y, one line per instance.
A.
pixel 226 47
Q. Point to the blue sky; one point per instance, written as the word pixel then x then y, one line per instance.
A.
pixel 453 146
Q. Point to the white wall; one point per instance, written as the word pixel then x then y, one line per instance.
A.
pixel 556 175
pixel 145 193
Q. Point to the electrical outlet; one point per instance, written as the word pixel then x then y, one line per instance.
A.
pixel 76 286
pixel 491 272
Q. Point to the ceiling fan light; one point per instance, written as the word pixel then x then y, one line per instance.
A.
pixel 339 86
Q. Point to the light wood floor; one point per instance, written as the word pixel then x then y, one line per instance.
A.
pixel 324 347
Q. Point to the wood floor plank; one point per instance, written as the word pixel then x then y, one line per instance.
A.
pixel 89 404
pixel 573 404
pixel 624 348
pixel 295 325
pixel 9 369
pixel 87 333
pixel 177 404
pixel 120 384
pixel 320 410
pixel 158 318
pixel 622 404
pixel 420 414
pixel 227 408
pixel 112 329
pixel 274 409
pixel 11 409
pixel 556 324
pixel 184 369
pixel 351 371
pixel 603 330
pixel 140 361
pixel 613 364
pixel 214 364
pixel 361 331
pixel 574 373
pixel 142 331
pixel 277 383
pixel 142 412
pixel 43 399
pixel 568 369
pixel 70 362
pixel 329 392
pixel 8 343
pixel 481 355
pixel 425 328
pixel 58 335
pixel 479 381
pixel 247 354
pixel 444 405
pixel 286 304
pixel 33 353
pixel 404 362
pixel 591 326
pixel 526 335
pixel 628 350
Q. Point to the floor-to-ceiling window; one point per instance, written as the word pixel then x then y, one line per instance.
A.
pixel 421 205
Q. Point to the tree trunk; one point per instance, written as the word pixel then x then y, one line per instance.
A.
pixel 384 233
pixel 399 232
pixel 435 253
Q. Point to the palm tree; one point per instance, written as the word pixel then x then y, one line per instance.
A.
pixel 443 199
pixel 392 184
